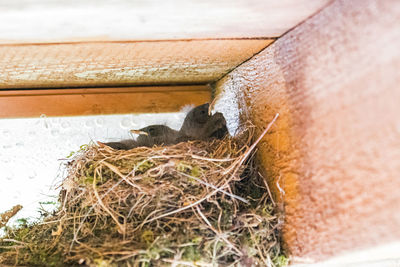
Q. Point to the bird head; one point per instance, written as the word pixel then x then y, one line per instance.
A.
pixel 197 117
pixel 200 114
pixel 200 124
pixel 155 135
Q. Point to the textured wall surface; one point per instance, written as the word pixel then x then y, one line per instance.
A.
pixel 127 63
pixel 335 149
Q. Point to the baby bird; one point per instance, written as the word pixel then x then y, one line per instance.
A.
pixel 156 135
pixel 148 136
pixel 199 125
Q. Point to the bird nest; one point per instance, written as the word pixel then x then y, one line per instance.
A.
pixel 196 203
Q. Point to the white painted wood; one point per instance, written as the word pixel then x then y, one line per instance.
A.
pixel 384 255
pixel 76 20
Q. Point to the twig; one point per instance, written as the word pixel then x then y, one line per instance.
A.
pixel 211 159
pixel 268 190
pixel 121 227
pixel 216 232
pixel 15 241
pixel 251 148
pixel 215 187
pixel 115 170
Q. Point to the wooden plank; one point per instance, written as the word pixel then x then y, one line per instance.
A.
pixel 61 21
pixel 122 63
pixel 95 101
pixel 333 156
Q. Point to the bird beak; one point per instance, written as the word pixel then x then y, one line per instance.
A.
pixel 139 132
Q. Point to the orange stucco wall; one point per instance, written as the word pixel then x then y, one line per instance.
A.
pixel 335 149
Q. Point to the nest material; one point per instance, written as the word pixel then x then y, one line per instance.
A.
pixel 195 203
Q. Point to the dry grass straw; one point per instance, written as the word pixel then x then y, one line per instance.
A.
pixel 191 204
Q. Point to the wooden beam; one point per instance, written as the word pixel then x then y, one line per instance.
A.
pixel 95 101
pixel 74 20
pixel 98 64
pixel 333 157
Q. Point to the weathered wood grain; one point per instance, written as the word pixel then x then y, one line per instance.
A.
pixel 95 101
pixel 333 156
pixel 122 63
pixel 77 20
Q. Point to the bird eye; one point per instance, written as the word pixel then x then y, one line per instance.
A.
pixel 200 116
pixel 152 131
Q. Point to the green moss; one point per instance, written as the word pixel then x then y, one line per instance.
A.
pixel 82 148
pixel 144 165
pixel 281 261
pixel 38 249
pixel 191 253
pixel 196 171
pixel 22 222
pixel 45 258
pixel 87 180
pixel 147 237
pixel 183 167
pixel 197 239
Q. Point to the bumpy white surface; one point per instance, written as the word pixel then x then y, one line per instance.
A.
pixel 32 151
